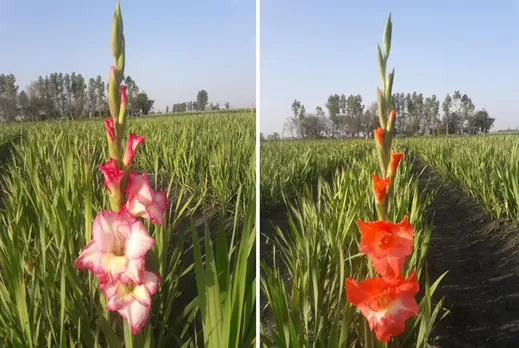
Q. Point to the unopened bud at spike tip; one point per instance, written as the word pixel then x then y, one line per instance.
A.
pixel 386 39
pixel 117 32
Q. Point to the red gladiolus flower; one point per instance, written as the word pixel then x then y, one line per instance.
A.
pixel 132 144
pixel 112 175
pixel 385 302
pixel 379 136
pixel 109 127
pixel 379 187
pixel 392 115
pixel 387 244
pixel 394 161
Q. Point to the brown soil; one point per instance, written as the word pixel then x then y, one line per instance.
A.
pixel 481 288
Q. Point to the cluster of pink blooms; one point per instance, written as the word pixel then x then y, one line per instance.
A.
pixel 116 253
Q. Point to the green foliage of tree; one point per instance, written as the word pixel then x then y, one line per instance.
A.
pixel 201 100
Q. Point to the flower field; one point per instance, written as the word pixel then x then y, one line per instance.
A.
pixel 349 228
pixel 306 239
pixel 51 191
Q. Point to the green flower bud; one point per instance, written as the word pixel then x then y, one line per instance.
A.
pixel 381 65
pixel 117 32
pixel 114 98
pixel 389 88
pixel 386 39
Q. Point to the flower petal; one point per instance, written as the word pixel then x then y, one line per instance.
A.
pixel 139 242
pixel 122 298
pixel 134 272
pixel 134 207
pixel 142 294
pixel 139 185
pixel 136 315
pixel 114 265
pixel 152 280
pixel 131 146
pixel 91 258
pixel 108 286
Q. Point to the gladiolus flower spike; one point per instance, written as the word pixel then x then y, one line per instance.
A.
pixel 387 300
pixel 116 253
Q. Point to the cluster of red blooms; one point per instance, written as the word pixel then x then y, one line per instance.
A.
pixel 116 253
pixel 386 301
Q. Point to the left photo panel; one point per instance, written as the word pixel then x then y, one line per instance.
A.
pixel 128 174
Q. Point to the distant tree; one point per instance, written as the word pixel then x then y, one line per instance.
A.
pixel 101 107
pixel 23 104
pixel 201 100
pixel 91 98
pixel 167 109
pixel 8 97
pixel 333 106
pixel 132 92
pixel 227 106
pixel 483 121
pixel 143 104
pixel 343 104
pixel 447 115
pixel 262 136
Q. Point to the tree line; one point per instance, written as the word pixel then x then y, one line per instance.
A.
pixel 58 96
pixel 416 115
pixel 200 104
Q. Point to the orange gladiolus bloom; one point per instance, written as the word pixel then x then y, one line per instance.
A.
pixel 394 161
pixel 387 244
pixel 392 115
pixel 386 302
pixel 379 187
pixel 379 136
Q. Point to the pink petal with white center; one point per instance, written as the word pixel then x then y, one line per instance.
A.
pixel 108 286
pixel 91 258
pixel 109 226
pixel 139 242
pixel 114 265
pixel 120 299
pixel 134 207
pixel 138 185
pixel 142 294
pixel 131 147
pixel 134 272
pixel 152 281
pixel 136 315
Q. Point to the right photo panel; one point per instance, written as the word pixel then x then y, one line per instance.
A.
pixel 389 174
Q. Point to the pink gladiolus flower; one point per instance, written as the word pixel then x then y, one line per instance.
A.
pixel 132 302
pixel 117 248
pixel 143 201
pixel 109 126
pixel 132 144
pixel 112 175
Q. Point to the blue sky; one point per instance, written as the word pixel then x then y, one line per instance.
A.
pixel 311 49
pixel 173 48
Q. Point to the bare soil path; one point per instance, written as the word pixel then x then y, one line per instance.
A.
pixel 482 256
